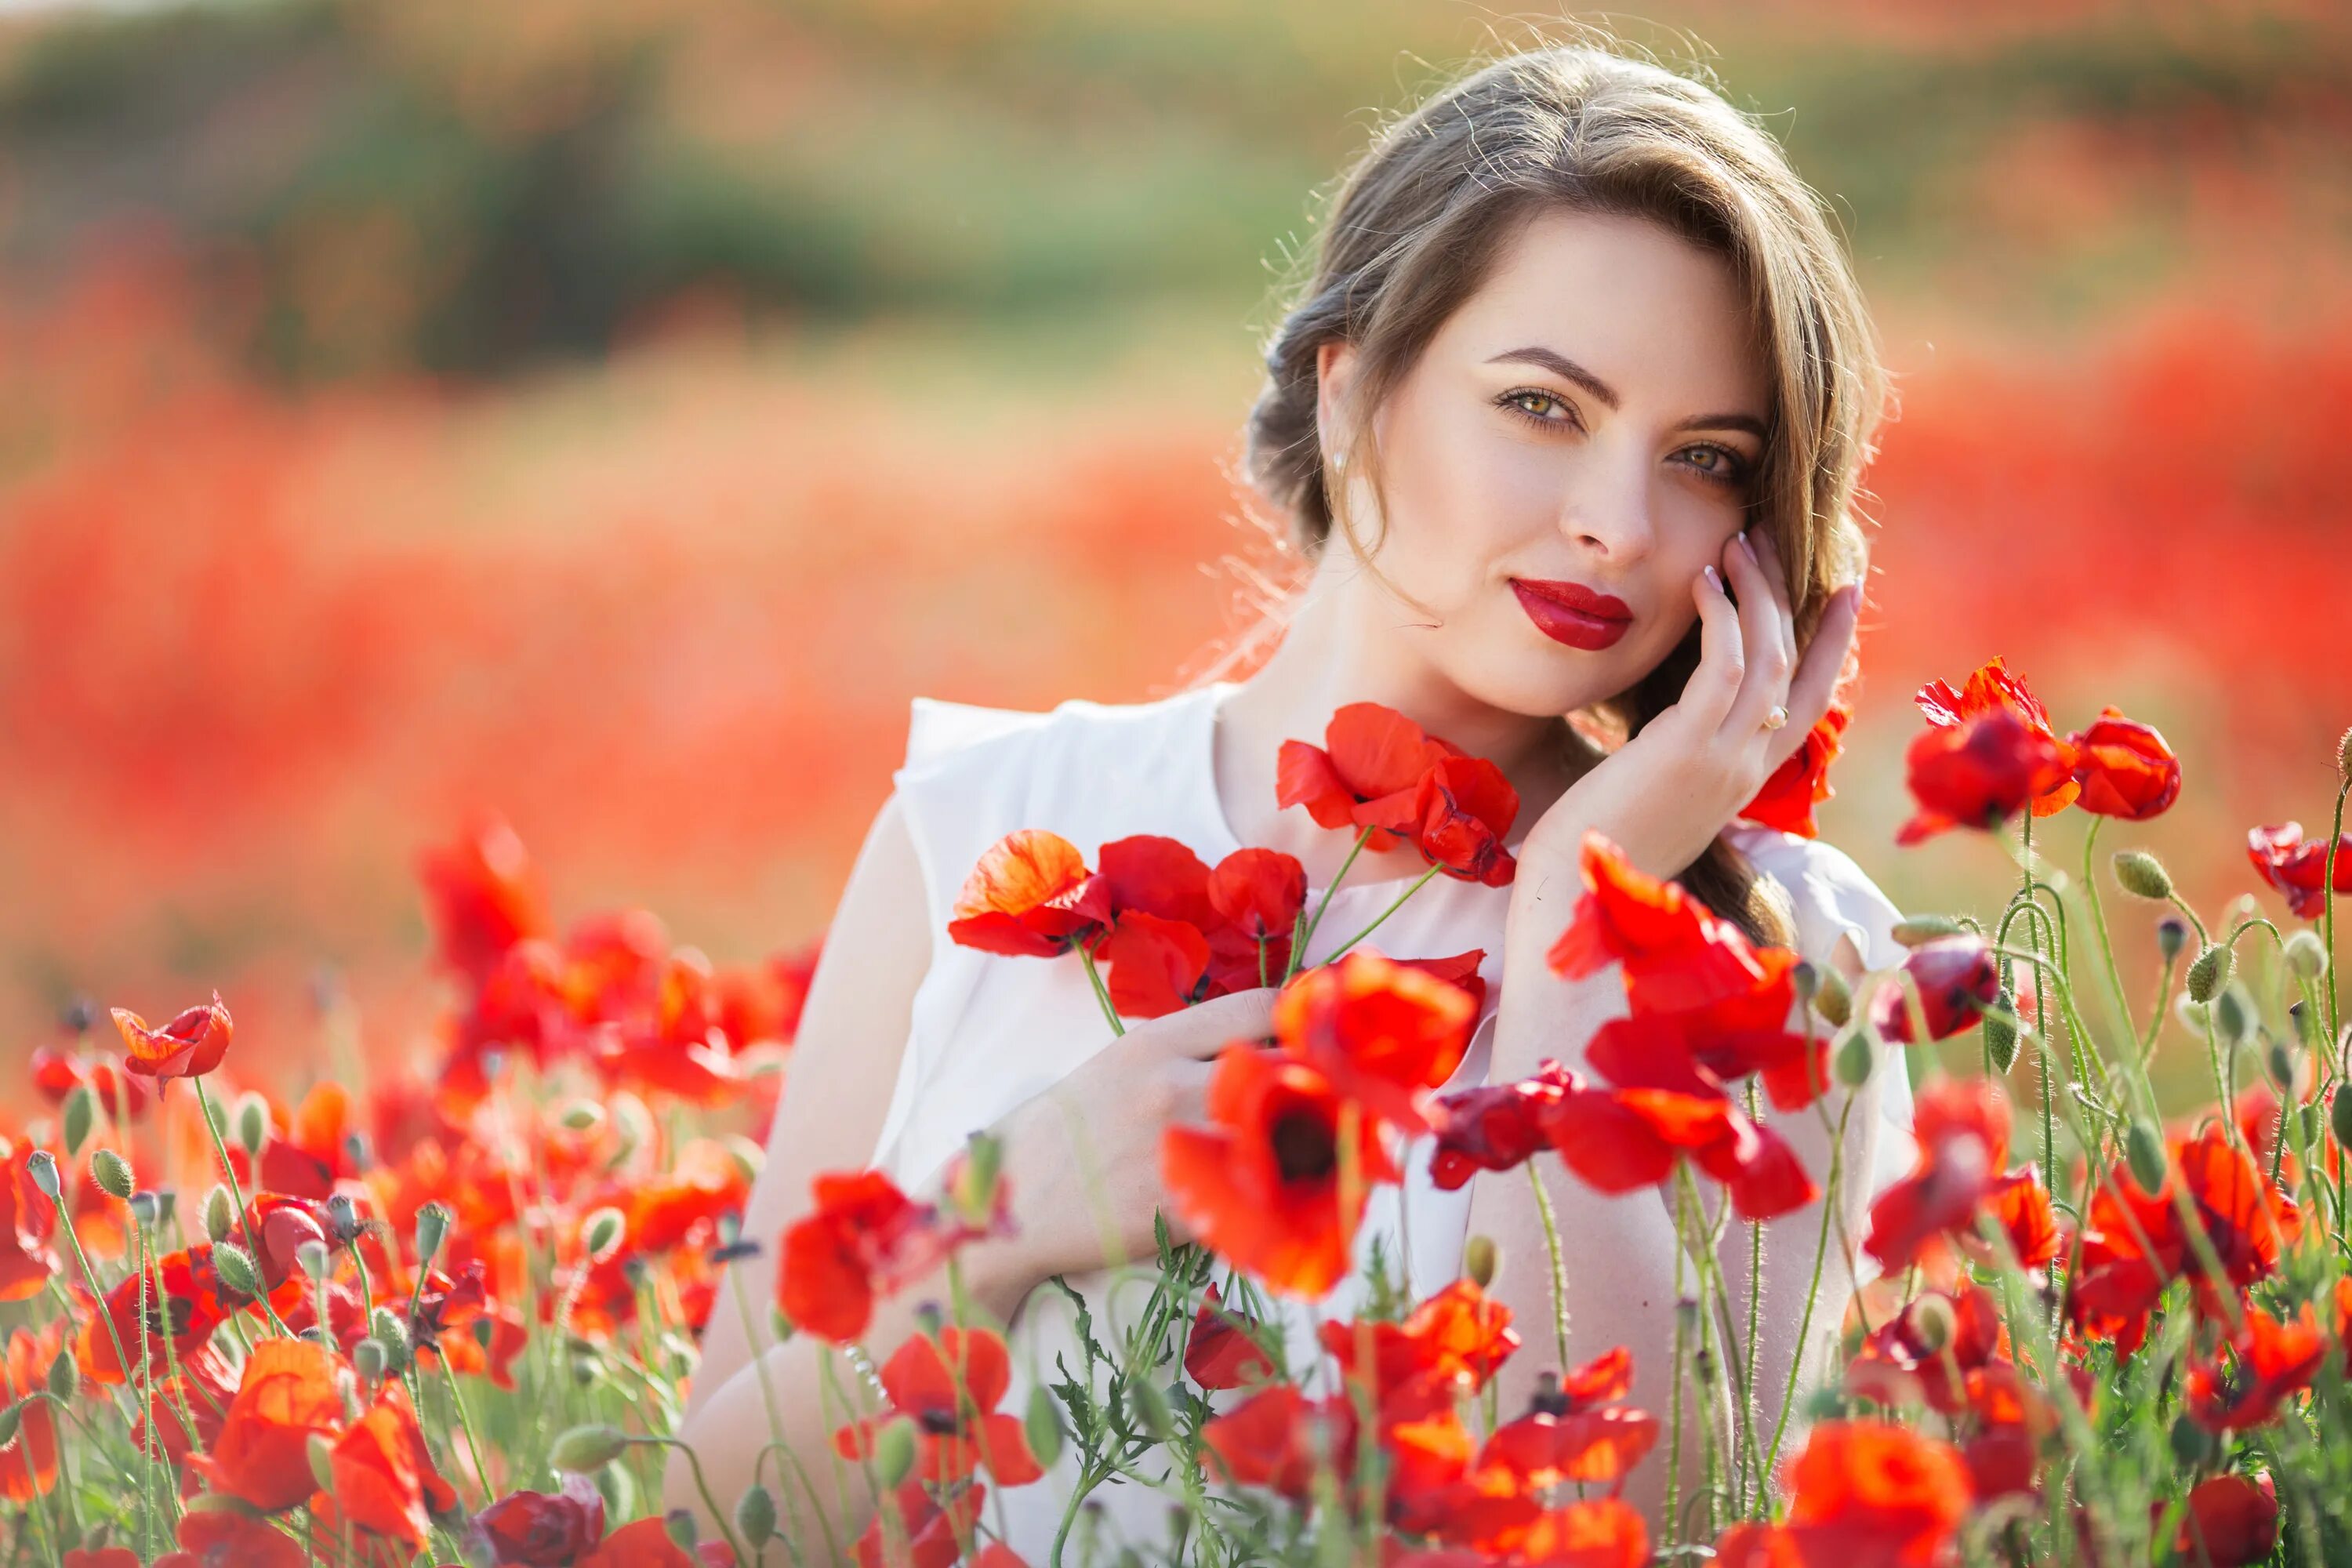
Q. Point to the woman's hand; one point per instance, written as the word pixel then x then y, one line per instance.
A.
pixel 1083 1156
pixel 1665 793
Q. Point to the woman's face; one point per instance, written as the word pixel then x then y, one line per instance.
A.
pixel 1592 418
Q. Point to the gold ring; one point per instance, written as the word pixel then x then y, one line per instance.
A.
pixel 1775 718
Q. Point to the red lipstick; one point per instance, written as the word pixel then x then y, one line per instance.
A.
pixel 1572 612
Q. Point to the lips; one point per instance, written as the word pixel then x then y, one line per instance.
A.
pixel 1573 613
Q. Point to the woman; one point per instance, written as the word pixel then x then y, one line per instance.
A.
pixel 1579 361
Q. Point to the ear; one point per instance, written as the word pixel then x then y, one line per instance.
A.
pixel 1335 372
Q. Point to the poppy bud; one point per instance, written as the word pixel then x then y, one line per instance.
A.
pixel 252 1123
pixel 314 1258
pixel 220 1213
pixel 2172 936
pixel 216 1117
pixel 74 1121
pixel 2339 1115
pixel 1999 1033
pixel 2306 955
pixel 431 1229
pixel 679 1525
pixel 235 1266
pixel 2206 975
pixel 2192 1443
pixel 343 1218
pixel 2231 1014
pixel 2308 1117
pixel 2143 1152
pixel 370 1359
pixel 585 1372
pixel 1804 979
pixel 2282 1065
pixel 1933 1322
pixel 1857 1054
pixel 601 1233
pixel 65 1375
pixel 893 1453
pixel 11 1418
pixel 167 1204
pixel 1833 1002
pixel 2305 1023
pixel 929 1319
pixel 41 1167
pixel 1043 1425
pixel 587 1449
pixel 632 1121
pixel 483 1330
pixel 1481 1258
pixel 386 1326
pixel 755 1516
pixel 111 1172
pixel 1913 930
pixel 1147 1407
pixel 78 1016
pixel 144 1207
pixel 320 1451
pixel 2139 873
pixel 582 1116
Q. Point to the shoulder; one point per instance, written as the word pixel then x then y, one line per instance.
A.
pixel 941 732
pixel 1832 894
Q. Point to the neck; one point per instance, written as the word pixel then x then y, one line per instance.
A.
pixel 1349 643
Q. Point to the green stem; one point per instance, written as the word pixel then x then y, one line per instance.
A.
pixel 2099 930
pixel 1102 996
pixel 694 1463
pixel 1419 883
pixel 235 1197
pixel 1813 1294
pixel 1307 932
pixel 1558 1266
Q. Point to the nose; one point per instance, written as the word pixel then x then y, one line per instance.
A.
pixel 1606 505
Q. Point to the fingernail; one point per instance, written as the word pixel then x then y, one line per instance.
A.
pixel 1712 577
pixel 1744 548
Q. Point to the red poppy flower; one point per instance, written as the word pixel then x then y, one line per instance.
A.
pixel 189 1046
pixel 1371 756
pixel 1981 772
pixel 932 1531
pixel 2232 1520
pixel 2300 870
pixel 1157 966
pixel 1220 1352
pixel 1152 874
pixel 1462 970
pixel 950 1390
pixel 2022 1205
pixel 1617 1140
pixel 1261 1184
pixel 213 1536
pixel 29 1220
pixel 645 1543
pixel 1756 1546
pixel 1963 1128
pixel 1991 688
pixel 1021 898
pixel 2269 1362
pixel 287 1395
pixel 185 1414
pixel 1279 1439
pixel 1260 892
pixel 1870 1492
pixel 1580 1432
pixel 28 1461
pixel 305 1158
pixel 483 896
pixel 1802 781
pixel 545 1530
pixel 1385 1034
pixel 1603 1534
pixel 101 1557
pixel 1676 952
pixel 1450 1344
pixel 1902 1363
pixel 2125 768
pixel 1958 977
pixel 384 1476
pixel 58 1073
pixel 703 1183
pixel 864 1239
pixel 1456 816
pixel 1495 1127
pixel 1701 1050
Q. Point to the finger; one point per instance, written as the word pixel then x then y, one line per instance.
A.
pixel 1776 577
pixel 1722 658
pixel 1769 663
pixel 1815 683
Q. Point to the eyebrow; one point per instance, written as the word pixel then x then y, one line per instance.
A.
pixel 1567 369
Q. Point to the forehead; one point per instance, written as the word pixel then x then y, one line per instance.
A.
pixel 1666 323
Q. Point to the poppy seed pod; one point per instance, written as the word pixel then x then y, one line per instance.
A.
pixel 2172 936
pixel 220 1212
pixel 79 1115
pixel 1043 1425
pixel 2207 974
pixel 587 1449
pixel 370 1360
pixel 11 1419
pixel 1856 1056
pixel 893 1453
pixel 2143 1152
pixel 2232 1013
pixel 1804 979
pixel 314 1260
pixel 431 1229
pixel 582 1116
pixel 2339 1115
pixel 145 1206
pixel 252 1123
pixel 1999 1033
pixel 1834 1002
pixel 2141 874
pixel 65 1375
pixel 2306 955
pixel 41 1169
pixel 386 1326
pixel 111 1172
pixel 235 1266
pixel 2281 1062
pixel 679 1526
pixel 601 1233
pixel 1933 1322
pixel 755 1516
pixel 1481 1259
pixel 1913 930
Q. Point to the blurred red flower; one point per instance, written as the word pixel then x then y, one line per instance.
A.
pixel 1220 1352
pixel 384 1474
pixel 1957 977
pixel 288 1395
pixel 2299 870
pixel 1802 781
pixel 189 1046
pixel 1867 1493
pixel 28 1219
pixel 1982 771
pixel 931 1529
pixel 2269 1362
pixel 864 1238
pixel 1495 1127
pixel 1384 1034
pixel 28 1461
pixel 545 1530
pixel 1991 688
pixel 2231 1522
pixel 950 1388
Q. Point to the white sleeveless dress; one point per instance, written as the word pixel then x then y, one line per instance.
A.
pixel 989 1032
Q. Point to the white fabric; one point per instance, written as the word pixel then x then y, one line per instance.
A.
pixel 989 1032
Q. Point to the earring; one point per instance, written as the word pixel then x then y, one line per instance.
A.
pixel 1340 463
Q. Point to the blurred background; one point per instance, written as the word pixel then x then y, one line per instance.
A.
pixel 610 412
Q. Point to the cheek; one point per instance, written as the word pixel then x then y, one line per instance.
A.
pixel 1463 497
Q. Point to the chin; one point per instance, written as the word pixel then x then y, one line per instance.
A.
pixel 1535 684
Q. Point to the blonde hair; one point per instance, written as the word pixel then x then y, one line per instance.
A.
pixel 1415 227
